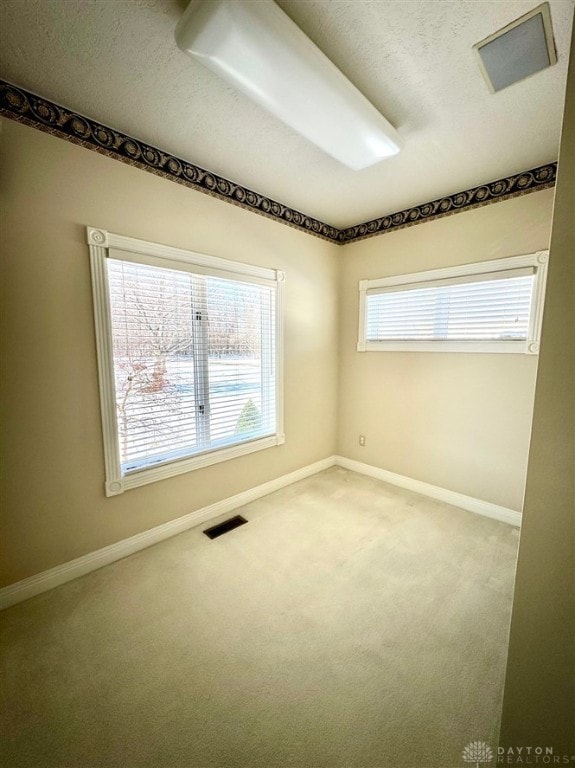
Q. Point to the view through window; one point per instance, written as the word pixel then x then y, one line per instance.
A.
pixel 190 358
pixel 193 362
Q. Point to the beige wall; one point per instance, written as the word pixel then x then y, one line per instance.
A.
pixel 54 508
pixel 419 412
pixel 539 701
pixel 458 421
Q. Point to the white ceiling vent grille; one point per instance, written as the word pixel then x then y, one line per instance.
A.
pixel 519 50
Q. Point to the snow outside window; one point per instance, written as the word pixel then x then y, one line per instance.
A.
pixel 189 351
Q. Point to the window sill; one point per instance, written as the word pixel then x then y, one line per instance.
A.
pixel 151 475
pixel 516 347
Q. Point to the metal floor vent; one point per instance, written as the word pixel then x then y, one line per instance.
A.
pixel 227 525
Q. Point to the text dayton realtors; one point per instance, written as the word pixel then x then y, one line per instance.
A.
pixel 532 756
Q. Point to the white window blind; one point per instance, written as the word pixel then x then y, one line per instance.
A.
pixel 193 362
pixel 496 309
pixel 188 356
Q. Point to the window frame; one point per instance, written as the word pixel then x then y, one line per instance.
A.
pixel 100 243
pixel 530 346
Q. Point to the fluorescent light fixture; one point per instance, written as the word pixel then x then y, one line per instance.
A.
pixel 258 49
pixel 519 50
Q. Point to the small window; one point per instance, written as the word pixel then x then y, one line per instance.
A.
pixel 491 306
pixel 189 352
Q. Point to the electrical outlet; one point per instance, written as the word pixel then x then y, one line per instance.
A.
pixel 362 440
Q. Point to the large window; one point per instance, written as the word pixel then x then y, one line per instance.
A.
pixel 189 350
pixel 493 306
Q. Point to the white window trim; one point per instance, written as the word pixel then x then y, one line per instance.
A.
pixel 100 242
pixel 530 346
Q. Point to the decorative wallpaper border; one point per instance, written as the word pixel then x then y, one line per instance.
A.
pixel 25 107
pixel 30 109
pixel 494 191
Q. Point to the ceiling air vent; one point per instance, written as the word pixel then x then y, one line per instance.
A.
pixel 518 50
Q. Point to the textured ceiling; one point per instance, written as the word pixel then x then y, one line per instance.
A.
pixel 116 61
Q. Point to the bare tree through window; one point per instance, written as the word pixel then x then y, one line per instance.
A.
pixel 188 360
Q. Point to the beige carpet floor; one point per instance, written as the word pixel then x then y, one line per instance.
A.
pixel 348 624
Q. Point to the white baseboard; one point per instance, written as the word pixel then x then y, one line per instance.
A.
pixel 42 582
pixel 485 508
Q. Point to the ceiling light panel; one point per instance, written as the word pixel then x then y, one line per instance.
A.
pixel 257 48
